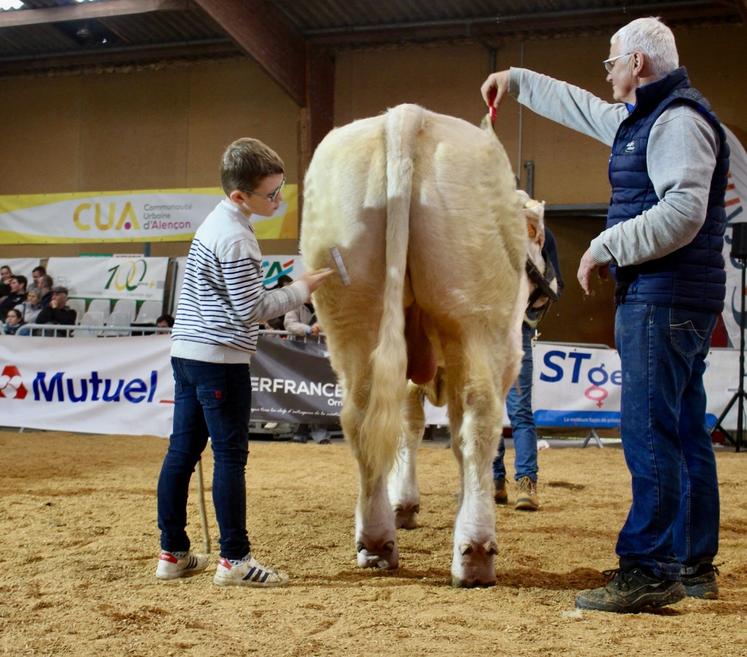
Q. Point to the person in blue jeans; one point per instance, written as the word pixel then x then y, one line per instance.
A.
pixel 519 398
pixel 212 341
pixel 663 241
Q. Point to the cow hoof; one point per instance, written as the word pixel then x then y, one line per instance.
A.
pixel 474 565
pixel 383 556
pixel 406 516
pixel 459 583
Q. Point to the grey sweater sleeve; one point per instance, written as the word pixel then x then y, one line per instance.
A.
pixel 567 104
pixel 681 157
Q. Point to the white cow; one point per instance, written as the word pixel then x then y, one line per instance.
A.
pixel 424 211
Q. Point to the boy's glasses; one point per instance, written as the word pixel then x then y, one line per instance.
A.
pixel 273 195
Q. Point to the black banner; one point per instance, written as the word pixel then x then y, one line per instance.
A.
pixel 292 381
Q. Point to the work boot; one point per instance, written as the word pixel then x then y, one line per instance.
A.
pixel 526 497
pixel 628 592
pixel 501 493
pixel 702 582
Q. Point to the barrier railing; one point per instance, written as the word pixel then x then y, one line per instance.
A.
pixel 87 330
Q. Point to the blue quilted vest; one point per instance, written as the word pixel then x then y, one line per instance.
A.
pixel 693 276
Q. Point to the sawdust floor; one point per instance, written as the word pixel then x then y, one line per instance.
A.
pixel 78 547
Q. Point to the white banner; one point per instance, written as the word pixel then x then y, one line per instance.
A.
pixel 127 216
pixel 580 387
pixel 576 386
pixel 22 266
pixel 273 267
pixel 736 197
pixel 125 385
pixel 91 385
pixel 138 278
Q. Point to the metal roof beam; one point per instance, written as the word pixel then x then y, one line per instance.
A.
pixel 88 11
pixel 265 34
pixel 76 60
pixel 541 23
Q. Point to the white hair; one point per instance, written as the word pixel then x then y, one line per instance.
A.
pixel 654 39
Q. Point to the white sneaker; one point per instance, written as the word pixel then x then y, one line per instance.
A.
pixel 173 566
pixel 247 572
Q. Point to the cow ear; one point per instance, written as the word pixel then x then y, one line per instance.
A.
pixel 534 213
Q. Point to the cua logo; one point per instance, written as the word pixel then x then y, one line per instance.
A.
pixel 11 383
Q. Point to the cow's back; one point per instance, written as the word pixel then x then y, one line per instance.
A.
pixel 465 228
pixel 467 239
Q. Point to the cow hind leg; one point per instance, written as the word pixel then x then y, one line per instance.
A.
pixel 404 493
pixel 475 418
pixel 375 532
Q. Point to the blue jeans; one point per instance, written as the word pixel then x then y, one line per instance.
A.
pixel 519 407
pixel 213 400
pixel 673 521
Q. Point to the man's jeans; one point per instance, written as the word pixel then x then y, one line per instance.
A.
pixel 210 399
pixel 674 518
pixel 519 407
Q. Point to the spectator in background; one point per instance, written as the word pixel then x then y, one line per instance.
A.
pixel 519 397
pixel 31 307
pixel 13 322
pixel 37 273
pixel 301 322
pixel 57 312
pixel 4 291
pixel 278 323
pixel 17 295
pixel 5 274
pixel 165 321
pixel 45 290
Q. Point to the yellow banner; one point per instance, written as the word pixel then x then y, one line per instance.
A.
pixel 171 215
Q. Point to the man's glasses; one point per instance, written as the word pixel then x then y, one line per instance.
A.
pixel 609 64
pixel 273 195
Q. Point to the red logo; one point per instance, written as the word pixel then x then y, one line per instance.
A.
pixel 11 383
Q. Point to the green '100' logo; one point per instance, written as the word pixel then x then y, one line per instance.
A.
pixel 133 276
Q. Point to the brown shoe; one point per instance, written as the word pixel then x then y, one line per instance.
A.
pixel 501 493
pixel 526 498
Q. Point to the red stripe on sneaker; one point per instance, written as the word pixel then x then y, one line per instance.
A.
pixel 225 563
pixel 167 556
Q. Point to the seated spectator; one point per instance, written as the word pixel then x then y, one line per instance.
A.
pixel 278 323
pixel 30 308
pixel 5 274
pixel 13 321
pixel 57 312
pixel 45 289
pixel 4 291
pixel 17 295
pixel 302 322
pixel 165 321
pixel 36 275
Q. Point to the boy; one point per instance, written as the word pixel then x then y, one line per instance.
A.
pixel 214 336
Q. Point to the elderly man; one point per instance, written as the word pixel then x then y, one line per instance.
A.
pixel 57 312
pixel 663 240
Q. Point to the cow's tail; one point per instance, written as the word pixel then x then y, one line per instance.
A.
pixel 383 415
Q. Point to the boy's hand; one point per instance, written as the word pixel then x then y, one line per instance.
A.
pixel 315 278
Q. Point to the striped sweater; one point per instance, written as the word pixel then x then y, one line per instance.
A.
pixel 222 298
